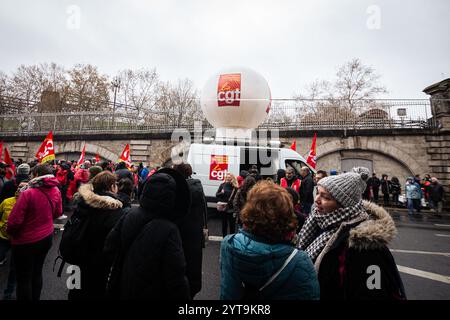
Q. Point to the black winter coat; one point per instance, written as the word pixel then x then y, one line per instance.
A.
pixel 346 266
pixel 385 186
pixel 437 192
pixel 148 239
pixel 191 231
pixel 10 187
pixel 306 190
pixel 104 210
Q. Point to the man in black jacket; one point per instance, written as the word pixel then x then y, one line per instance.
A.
pixel 374 183
pixel 149 261
pixel 436 195
pixel 191 229
pixel 306 190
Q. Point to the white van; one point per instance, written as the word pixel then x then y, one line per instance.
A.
pixel 211 162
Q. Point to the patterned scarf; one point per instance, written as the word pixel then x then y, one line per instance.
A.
pixel 319 228
pixel 36 182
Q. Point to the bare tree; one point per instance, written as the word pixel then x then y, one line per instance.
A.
pixel 341 100
pixel 178 104
pixel 25 86
pixel 356 82
pixel 88 89
pixel 138 91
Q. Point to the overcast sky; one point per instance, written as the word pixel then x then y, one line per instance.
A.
pixel 291 43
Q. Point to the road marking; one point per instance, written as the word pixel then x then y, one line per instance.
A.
pixel 445 254
pixel 442 235
pixel 424 274
pixel 442 225
pixel 215 238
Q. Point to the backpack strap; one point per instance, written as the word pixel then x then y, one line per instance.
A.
pixel 286 262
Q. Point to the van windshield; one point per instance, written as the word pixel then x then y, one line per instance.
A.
pixel 266 160
pixel 295 164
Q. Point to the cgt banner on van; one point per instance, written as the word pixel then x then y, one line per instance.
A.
pixel 219 167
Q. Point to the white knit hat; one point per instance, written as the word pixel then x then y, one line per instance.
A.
pixel 347 188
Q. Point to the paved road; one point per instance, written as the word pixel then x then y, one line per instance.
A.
pixel 421 250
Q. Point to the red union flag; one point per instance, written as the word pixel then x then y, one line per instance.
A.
pixel 125 156
pixel 294 145
pixel 218 168
pixel 229 90
pixel 81 160
pixel 312 153
pixel 46 151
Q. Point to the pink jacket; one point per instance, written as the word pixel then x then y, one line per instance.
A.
pixel 31 219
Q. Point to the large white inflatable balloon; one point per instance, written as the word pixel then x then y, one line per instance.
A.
pixel 236 98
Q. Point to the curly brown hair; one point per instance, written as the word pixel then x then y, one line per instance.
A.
pixel 269 212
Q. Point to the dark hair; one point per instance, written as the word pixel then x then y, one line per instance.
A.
pixel 395 180
pixel 103 181
pixel 121 165
pixel 184 168
pixel 322 172
pixel 244 173
pixel 294 194
pixel 126 186
pixel 248 183
pixel 41 170
pixel 104 165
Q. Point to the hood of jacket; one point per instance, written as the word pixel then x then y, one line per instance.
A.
pixel 196 189
pixel 166 195
pixel 97 201
pixel 46 181
pixel 374 233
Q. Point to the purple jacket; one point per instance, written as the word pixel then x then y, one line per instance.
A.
pixel 31 219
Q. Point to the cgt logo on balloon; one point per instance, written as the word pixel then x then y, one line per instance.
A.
pixel 218 168
pixel 229 90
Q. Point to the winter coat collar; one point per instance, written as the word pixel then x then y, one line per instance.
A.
pixel 374 233
pixel 97 201
pixel 370 234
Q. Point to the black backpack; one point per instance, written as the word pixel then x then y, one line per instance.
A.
pixel 74 241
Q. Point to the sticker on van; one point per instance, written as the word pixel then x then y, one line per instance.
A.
pixel 218 168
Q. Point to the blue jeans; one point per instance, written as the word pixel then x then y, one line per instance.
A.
pixel 413 204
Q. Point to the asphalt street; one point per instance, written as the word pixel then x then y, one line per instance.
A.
pixel 421 251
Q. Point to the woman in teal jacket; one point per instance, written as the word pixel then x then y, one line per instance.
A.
pixel 258 252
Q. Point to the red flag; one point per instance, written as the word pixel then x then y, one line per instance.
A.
pixel 294 145
pixel 8 161
pixel 81 160
pixel 125 156
pixel 97 158
pixel 46 151
pixel 1 150
pixel 8 157
pixel 312 153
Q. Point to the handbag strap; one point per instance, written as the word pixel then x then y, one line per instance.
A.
pixel 286 262
pixel 49 201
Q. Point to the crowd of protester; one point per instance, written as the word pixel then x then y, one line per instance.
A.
pixel 292 236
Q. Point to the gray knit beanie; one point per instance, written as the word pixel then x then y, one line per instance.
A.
pixel 24 168
pixel 347 188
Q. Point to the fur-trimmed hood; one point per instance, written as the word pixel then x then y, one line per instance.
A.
pixel 375 232
pixel 86 191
